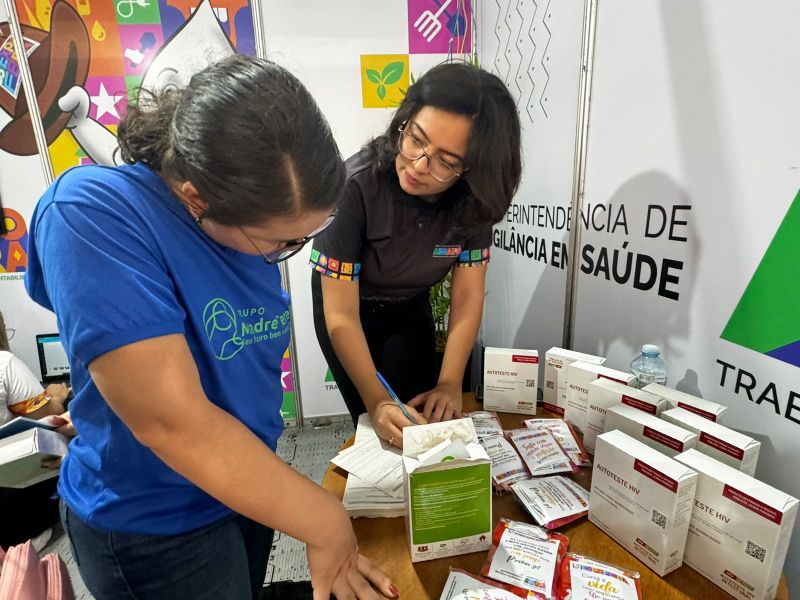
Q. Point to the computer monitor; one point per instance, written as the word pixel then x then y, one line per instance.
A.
pixel 52 358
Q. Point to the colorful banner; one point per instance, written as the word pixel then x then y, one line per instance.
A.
pixel 87 58
pixel 92 56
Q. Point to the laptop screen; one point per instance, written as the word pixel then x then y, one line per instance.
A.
pixel 52 358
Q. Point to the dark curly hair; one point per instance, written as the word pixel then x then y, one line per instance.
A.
pixel 246 133
pixel 484 194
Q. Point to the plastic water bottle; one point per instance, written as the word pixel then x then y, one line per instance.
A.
pixel 649 367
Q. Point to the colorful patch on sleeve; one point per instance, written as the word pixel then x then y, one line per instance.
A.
pixel 446 251
pixel 30 405
pixel 474 258
pixel 331 267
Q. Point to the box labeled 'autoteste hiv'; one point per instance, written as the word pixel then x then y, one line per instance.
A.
pixel 642 499
pixel 555 375
pixel 605 393
pixel 510 380
pixel 699 406
pixel 579 375
pixel 740 529
pixel 717 441
pixel 652 431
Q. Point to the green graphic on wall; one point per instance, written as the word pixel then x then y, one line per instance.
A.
pixel 767 317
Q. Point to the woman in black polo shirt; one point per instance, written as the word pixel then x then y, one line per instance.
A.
pixel 420 200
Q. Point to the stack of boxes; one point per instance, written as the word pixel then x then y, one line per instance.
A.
pixel 670 483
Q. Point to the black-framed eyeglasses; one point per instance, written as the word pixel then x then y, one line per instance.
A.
pixel 290 248
pixel 413 148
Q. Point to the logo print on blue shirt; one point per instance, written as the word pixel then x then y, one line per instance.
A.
pixel 229 330
pixel 222 329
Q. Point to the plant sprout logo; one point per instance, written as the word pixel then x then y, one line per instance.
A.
pixel 390 75
pixel 767 317
pixel 222 331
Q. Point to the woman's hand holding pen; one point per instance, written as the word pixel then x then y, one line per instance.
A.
pixel 389 420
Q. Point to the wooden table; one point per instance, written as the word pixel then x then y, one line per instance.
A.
pixel 384 542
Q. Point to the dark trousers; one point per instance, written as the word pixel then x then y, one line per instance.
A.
pixel 226 560
pixel 401 340
pixel 27 512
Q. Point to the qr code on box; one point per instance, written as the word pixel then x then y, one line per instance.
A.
pixel 659 519
pixel 530 383
pixel 755 551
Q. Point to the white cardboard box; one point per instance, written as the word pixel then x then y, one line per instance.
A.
pixel 510 380
pixel 740 529
pixel 717 441
pixel 642 499
pixel 652 431
pixel 21 456
pixel 704 408
pixel 579 375
pixel 605 393
pixel 449 500
pixel 555 376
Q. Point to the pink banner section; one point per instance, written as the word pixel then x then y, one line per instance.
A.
pixel 439 27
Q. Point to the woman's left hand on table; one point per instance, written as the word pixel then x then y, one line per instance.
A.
pixel 442 403
pixel 368 582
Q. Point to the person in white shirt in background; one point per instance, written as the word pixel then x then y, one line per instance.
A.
pixel 34 509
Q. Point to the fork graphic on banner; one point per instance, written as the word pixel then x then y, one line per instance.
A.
pixel 428 23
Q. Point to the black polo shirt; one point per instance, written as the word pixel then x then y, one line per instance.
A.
pixel 394 244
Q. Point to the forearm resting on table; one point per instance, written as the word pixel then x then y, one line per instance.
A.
pixel 207 445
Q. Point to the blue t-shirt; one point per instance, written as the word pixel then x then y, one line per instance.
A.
pixel 118 259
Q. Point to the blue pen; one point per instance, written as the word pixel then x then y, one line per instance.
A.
pixel 394 397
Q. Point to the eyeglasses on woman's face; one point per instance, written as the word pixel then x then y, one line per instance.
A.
pixel 411 145
pixel 288 248
pixel 10 331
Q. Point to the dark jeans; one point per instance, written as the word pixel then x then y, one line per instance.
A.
pixel 226 560
pixel 27 512
pixel 401 340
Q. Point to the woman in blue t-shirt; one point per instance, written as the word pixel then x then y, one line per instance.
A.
pixel 163 276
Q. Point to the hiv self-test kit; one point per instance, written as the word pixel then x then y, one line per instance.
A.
pixel 652 431
pixel 510 379
pixel 642 499
pixel 726 445
pixel 605 393
pixel 704 408
pixel 579 376
pixel 740 529
pixel 555 376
